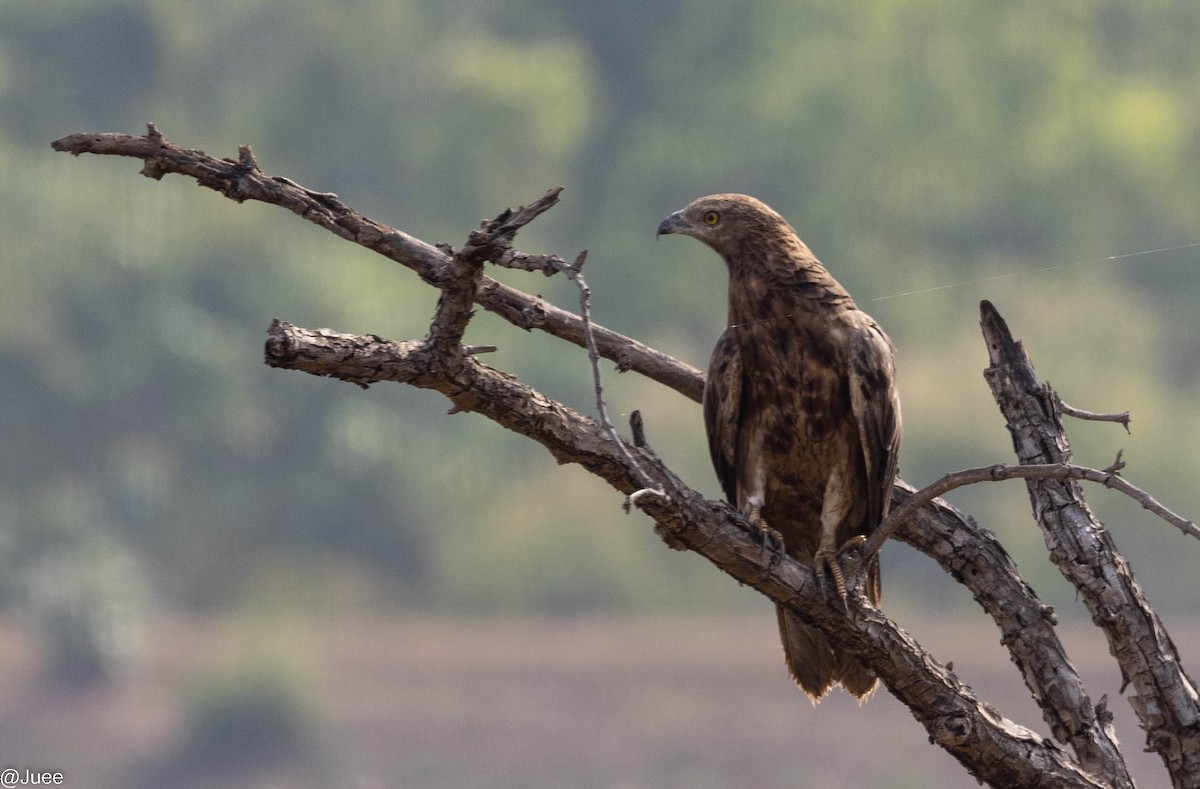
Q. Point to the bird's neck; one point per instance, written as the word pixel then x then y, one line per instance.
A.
pixel 767 295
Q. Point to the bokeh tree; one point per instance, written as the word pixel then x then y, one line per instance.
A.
pixel 915 145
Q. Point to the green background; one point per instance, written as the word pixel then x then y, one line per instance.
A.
pixel 151 462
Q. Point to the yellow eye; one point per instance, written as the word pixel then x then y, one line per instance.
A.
pixel 711 217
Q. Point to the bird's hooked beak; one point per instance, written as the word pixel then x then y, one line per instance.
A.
pixel 675 223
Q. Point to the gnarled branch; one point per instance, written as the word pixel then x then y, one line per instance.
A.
pixel 1109 478
pixel 242 180
pixel 994 749
pixel 1165 699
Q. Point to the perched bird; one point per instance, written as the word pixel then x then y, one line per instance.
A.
pixel 801 411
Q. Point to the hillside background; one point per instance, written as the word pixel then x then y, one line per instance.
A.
pixel 157 478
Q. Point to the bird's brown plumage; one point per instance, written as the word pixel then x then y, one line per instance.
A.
pixel 800 406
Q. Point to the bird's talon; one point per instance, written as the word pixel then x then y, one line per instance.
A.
pixel 855 543
pixel 772 541
pixel 832 561
pixel 828 560
pixel 819 569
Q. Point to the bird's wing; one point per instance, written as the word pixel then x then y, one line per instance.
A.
pixel 876 409
pixel 722 408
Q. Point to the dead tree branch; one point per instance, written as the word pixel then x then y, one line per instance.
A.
pixel 243 180
pixel 1109 478
pixel 491 240
pixel 1121 418
pixel 974 558
pixel 992 748
pixel 1164 698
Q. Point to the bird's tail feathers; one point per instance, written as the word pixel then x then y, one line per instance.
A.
pixel 814 664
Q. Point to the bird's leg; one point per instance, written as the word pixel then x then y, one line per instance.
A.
pixel 826 558
pixel 771 540
pixel 829 557
pixel 833 509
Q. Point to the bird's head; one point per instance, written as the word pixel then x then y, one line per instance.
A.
pixel 725 222
pixel 760 249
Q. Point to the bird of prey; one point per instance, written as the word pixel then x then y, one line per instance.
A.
pixel 801 411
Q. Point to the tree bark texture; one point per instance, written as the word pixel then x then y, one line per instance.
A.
pixel 1164 697
pixel 995 750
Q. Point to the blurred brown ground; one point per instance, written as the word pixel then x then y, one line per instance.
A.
pixel 423 701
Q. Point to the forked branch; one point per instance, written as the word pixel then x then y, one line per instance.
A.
pixel 242 180
pixel 995 750
pixel 1109 477
pixel 1165 699
pixel 992 748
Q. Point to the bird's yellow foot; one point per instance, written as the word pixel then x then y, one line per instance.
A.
pixel 771 540
pixel 826 559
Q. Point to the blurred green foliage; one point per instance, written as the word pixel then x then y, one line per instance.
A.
pixel 246 716
pixel 915 145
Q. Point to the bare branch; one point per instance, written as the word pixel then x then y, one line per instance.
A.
pixel 975 558
pixel 358 359
pixel 637 428
pixel 547 264
pixel 454 305
pixel 1108 477
pixel 1121 418
pixel 994 749
pixel 574 272
pixel 492 240
pixel 1165 699
pixel 242 180
pixel 967 552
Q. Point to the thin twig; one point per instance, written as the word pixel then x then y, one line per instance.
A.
pixel 547 264
pixel 574 273
pixel 1063 408
pixel 1109 478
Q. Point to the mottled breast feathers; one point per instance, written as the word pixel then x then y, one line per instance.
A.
pixel 800 407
